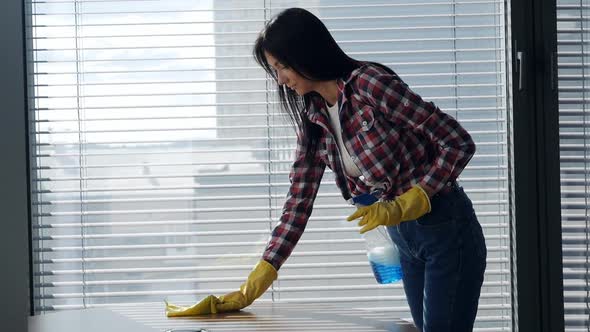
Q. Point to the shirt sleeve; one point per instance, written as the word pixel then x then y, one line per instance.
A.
pixel 454 146
pixel 305 181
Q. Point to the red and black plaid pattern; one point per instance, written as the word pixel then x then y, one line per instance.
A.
pixel 395 138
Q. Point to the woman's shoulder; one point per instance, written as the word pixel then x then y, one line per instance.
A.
pixel 365 77
pixel 371 69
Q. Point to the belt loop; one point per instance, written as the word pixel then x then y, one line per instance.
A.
pixel 447 188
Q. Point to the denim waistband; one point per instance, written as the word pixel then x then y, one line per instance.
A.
pixel 448 190
pixel 375 195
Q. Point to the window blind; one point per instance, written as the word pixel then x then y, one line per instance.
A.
pixel 574 123
pixel 160 159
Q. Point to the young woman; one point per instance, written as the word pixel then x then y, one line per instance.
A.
pixel 364 123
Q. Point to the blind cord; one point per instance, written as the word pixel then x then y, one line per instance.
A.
pixel 81 151
pixel 269 153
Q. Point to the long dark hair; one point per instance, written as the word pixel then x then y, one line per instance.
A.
pixel 299 40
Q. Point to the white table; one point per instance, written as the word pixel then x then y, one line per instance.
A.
pixel 268 317
pixel 88 320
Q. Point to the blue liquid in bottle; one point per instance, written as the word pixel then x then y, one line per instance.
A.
pixel 386 274
pixel 385 264
pixel 382 252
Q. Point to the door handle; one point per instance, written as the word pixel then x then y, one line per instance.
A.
pixel 520 69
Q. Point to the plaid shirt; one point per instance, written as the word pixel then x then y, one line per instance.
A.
pixel 396 139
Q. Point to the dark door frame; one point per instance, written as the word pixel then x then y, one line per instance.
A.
pixel 15 281
pixel 536 237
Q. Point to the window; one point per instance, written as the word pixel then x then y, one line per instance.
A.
pixel 574 117
pixel 160 158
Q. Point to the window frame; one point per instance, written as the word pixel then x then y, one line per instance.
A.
pixel 536 233
pixel 537 255
pixel 14 192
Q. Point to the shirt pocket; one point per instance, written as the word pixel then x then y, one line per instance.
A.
pixel 369 130
pixel 365 119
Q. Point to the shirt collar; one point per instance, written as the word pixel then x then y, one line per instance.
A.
pixel 317 103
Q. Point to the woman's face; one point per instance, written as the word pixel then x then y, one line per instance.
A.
pixel 289 77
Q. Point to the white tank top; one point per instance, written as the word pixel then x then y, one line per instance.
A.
pixel 349 166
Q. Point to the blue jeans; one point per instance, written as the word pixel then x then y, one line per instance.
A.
pixel 443 258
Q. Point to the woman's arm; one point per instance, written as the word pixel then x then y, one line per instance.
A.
pixel 390 95
pixel 305 181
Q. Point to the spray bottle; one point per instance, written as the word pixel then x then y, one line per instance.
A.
pixel 383 254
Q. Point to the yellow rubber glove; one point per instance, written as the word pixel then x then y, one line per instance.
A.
pixel 412 205
pixel 261 277
pixel 258 282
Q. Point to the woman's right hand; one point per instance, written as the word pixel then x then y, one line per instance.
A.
pixel 261 277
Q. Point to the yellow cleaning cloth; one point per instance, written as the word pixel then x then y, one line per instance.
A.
pixel 205 307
